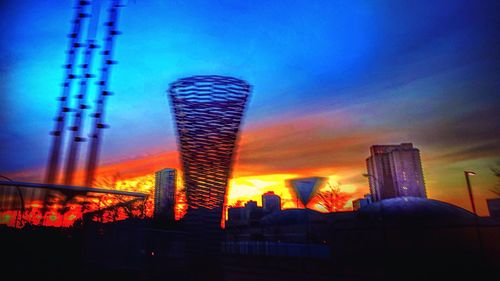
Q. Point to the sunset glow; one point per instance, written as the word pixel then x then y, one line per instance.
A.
pixel 322 92
pixel 261 140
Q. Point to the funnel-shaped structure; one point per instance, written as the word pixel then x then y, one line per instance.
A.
pixel 208 112
pixel 306 188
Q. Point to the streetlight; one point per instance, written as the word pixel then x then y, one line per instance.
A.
pixel 467 174
pixel 476 218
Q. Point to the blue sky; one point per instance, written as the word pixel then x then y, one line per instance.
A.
pixel 426 71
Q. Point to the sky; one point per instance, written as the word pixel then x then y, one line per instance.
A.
pixel 329 79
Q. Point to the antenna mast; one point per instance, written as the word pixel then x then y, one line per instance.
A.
pixel 69 76
pixel 77 126
pixel 103 92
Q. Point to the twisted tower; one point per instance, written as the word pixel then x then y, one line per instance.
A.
pixel 208 112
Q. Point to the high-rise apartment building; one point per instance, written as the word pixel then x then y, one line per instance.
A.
pixel 164 207
pixel 271 202
pixel 395 171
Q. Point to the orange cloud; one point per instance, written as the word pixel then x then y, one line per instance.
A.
pixel 142 165
pixel 333 143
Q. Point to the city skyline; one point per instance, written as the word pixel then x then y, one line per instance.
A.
pixel 312 113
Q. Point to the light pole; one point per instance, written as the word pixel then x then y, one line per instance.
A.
pixel 471 197
pixel 476 218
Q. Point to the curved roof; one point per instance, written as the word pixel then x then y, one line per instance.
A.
pixel 414 209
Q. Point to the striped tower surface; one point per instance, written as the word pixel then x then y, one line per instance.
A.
pixel 208 112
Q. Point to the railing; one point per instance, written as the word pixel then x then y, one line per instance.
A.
pixel 24 203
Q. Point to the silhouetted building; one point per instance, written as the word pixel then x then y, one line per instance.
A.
pixel 251 213
pixel 494 207
pixel 208 112
pixel 251 205
pixel 164 207
pixel 395 171
pixel 361 202
pixel 393 235
pixel 235 216
pixel 271 202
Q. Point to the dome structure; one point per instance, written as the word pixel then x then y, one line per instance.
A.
pixel 415 209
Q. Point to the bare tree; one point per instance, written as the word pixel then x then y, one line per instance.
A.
pixel 332 199
pixel 180 200
pixel 237 204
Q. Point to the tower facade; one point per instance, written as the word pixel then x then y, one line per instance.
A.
pixel 208 112
pixel 395 171
pixel 164 207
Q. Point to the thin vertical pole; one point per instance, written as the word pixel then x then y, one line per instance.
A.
pixel 76 127
pixel 107 61
pixel 471 197
pixel 69 76
pixel 476 218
